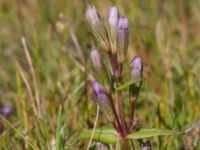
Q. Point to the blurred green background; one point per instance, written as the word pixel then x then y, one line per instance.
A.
pixel 165 33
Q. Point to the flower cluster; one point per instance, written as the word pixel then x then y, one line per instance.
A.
pixel 113 38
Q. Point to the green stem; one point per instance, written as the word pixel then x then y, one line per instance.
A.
pixel 125 145
pixel 133 100
pixel 132 116
pixel 120 103
pixel 121 112
pixel 115 113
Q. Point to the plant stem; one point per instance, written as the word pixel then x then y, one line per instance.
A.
pixel 132 116
pixel 133 100
pixel 120 103
pixel 113 62
pixel 115 113
pixel 125 145
pixel 121 112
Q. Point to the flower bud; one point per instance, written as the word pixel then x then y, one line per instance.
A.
pixel 101 146
pixel 99 69
pixel 105 45
pixel 136 74
pixel 103 99
pixel 98 28
pixel 99 93
pixel 113 23
pixel 136 68
pixel 96 59
pixel 113 18
pixel 6 110
pixel 123 37
pixel 146 145
pixel 92 16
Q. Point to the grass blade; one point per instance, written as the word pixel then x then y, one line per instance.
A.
pixel 58 129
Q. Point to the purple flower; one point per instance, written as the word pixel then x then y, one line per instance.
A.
pixel 136 68
pixel 97 27
pixel 99 69
pixel 123 24
pixel 6 110
pixel 123 38
pixel 99 93
pixel 96 59
pixel 113 23
pixel 103 99
pixel 113 18
pixel 146 145
pixel 136 74
pixel 92 16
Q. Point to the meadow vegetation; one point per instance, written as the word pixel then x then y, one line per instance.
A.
pixel 46 71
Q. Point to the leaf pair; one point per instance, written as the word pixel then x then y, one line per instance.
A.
pixel 110 136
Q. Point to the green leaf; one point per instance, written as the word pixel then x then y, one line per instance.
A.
pixel 146 133
pixel 127 84
pixel 58 135
pixel 105 135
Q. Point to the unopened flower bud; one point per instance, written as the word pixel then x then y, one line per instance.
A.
pixel 96 59
pixel 113 23
pixel 105 45
pixel 101 146
pixel 123 37
pixel 99 69
pixel 97 27
pixel 136 74
pixel 136 68
pixel 99 93
pixel 6 110
pixel 113 18
pixel 103 99
pixel 146 145
pixel 92 16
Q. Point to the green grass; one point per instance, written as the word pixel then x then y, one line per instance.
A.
pixel 52 98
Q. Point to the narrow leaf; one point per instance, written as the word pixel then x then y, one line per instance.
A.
pixel 105 135
pixel 58 135
pixel 146 133
pixel 127 84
